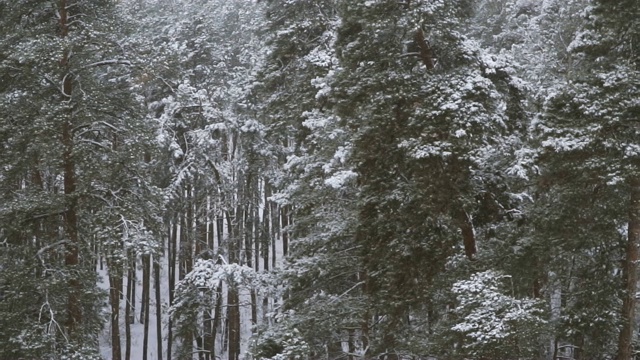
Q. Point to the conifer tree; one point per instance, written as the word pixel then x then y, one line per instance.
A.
pixel 71 144
pixel 590 141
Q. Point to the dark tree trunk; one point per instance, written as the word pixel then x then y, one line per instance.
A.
pixel 275 229
pixel 129 312
pixel 114 298
pixel 217 314
pixel 146 271
pixel 233 301
pixel 145 289
pixel 630 276
pixel 134 280
pixel 285 232
pixel 234 323
pixel 74 310
pixel 426 53
pixel 171 268
pixel 156 274
pixel 266 236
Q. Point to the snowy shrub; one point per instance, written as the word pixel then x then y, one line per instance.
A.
pixel 280 343
pixel 493 323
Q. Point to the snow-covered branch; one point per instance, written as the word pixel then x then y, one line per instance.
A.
pixel 108 62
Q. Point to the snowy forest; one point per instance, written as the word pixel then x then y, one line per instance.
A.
pixel 319 179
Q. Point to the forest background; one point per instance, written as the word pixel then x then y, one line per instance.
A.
pixel 319 179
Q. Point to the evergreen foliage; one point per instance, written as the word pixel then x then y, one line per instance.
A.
pixel 390 179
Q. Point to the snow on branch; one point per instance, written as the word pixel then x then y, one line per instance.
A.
pixel 108 62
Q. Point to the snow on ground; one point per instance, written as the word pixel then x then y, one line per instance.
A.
pixel 137 329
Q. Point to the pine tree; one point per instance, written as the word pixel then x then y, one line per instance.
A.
pixel 590 139
pixel 73 141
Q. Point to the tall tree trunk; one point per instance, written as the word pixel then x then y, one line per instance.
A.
pixel 129 312
pixel 74 310
pixel 134 280
pixel 146 287
pixel 364 327
pixel 233 299
pixel 207 321
pixel 234 323
pixel 275 229
pixel 156 275
pixel 248 244
pixel 114 298
pixel 630 276
pixel 171 268
pixel 217 315
pixel 266 236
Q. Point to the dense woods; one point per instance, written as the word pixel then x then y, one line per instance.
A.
pixel 319 179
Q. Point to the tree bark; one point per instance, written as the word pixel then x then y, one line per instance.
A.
pixel 156 273
pixel 265 243
pixel 129 312
pixel 426 53
pixel 285 232
pixel 233 299
pixel 171 268
pixel 234 323
pixel 114 298
pixel 146 271
pixel 630 276
pixel 74 310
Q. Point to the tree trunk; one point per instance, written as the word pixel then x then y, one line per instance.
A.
pixel 171 268
pixel 114 298
pixel 233 300
pixel 285 232
pixel 134 280
pixel 629 273
pixel 156 274
pixel 129 312
pixel 146 274
pixel 74 310
pixel 145 289
pixel 217 315
pixel 233 314
pixel 275 229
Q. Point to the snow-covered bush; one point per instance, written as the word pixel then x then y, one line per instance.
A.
pixel 280 342
pixel 493 323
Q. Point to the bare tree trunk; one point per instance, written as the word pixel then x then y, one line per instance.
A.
pixel 234 323
pixel 275 229
pixel 249 240
pixel 233 299
pixel 285 232
pixel 364 327
pixel 256 233
pixel 114 298
pixel 129 312
pixel 134 280
pixel 146 287
pixel 171 268
pixel 217 314
pixel 156 274
pixel 630 276
pixel 266 237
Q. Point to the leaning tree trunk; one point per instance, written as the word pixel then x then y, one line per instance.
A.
pixel 629 273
